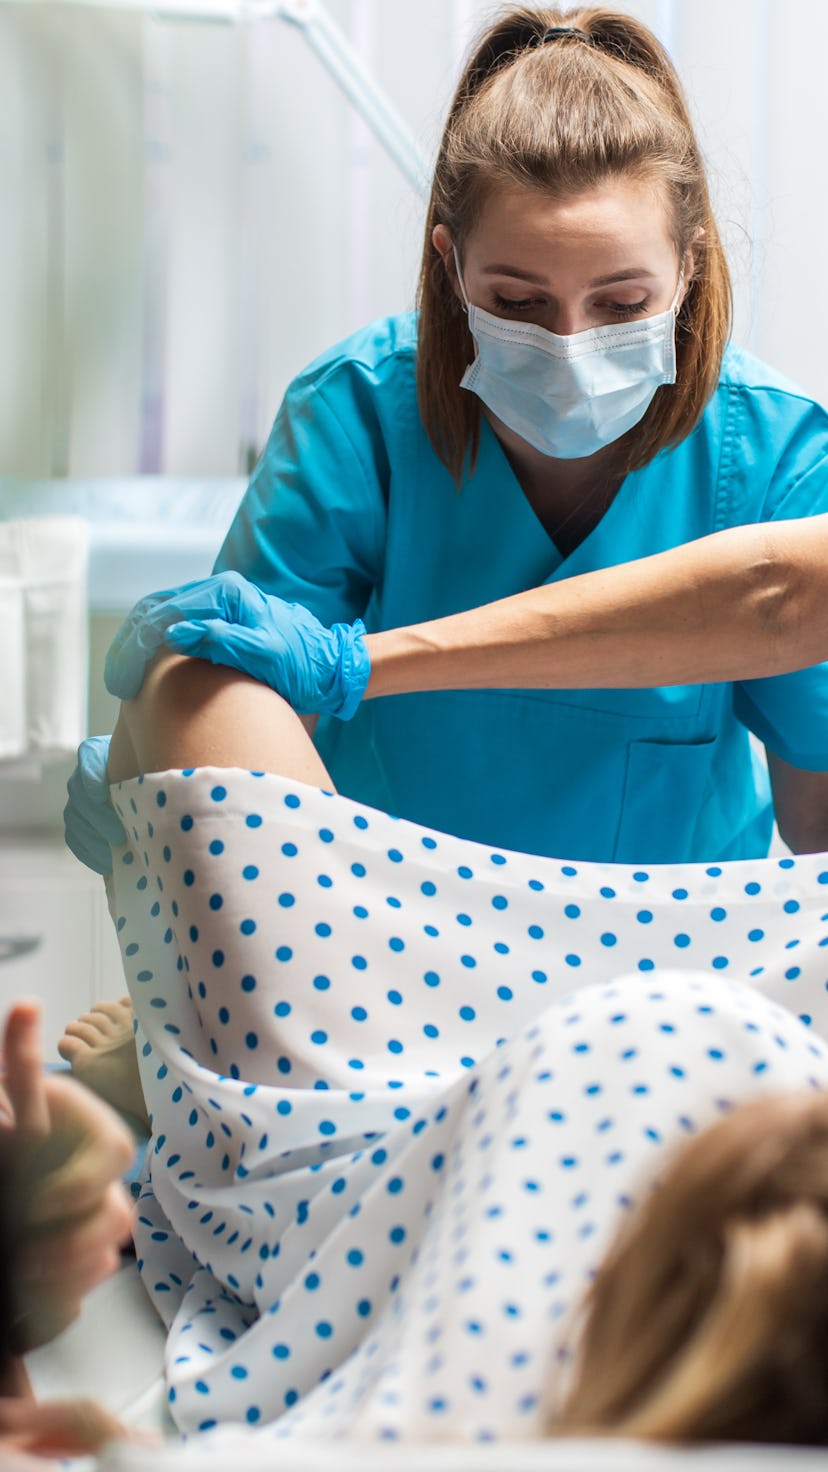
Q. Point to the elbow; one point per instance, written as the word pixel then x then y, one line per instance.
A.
pixel 781 597
pixel 804 834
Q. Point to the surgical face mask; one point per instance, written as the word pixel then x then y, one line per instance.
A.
pixel 569 396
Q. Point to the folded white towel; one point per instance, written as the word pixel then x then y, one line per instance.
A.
pixel 44 640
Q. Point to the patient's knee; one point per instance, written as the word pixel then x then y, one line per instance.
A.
pixel 130 750
pixel 190 713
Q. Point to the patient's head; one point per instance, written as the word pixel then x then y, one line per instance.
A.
pixel 708 1319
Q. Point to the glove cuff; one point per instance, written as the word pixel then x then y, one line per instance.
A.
pixel 353 668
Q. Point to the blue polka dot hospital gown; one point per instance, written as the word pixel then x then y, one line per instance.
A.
pixel 404 1088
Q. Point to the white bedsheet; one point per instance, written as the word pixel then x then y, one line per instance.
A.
pixel 235 1450
pixel 115 1352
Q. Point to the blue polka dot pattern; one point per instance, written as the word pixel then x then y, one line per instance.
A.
pixel 404 1088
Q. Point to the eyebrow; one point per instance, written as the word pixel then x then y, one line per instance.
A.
pixel 634 273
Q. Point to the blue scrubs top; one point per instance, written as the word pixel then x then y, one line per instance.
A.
pixel 351 513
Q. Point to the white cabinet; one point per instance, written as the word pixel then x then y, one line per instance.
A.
pixel 57 941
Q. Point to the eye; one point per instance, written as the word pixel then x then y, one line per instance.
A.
pixel 506 304
pixel 626 309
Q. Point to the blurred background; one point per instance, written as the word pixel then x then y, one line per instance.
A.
pixel 192 209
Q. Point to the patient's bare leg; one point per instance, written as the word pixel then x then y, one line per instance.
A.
pixel 193 714
pixel 188 714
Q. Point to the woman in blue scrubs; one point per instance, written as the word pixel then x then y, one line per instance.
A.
pixel 565 402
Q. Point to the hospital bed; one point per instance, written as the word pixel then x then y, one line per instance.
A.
pixel 115 1353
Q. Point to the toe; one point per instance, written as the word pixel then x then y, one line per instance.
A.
pixel 115 1014
pixel 85 1029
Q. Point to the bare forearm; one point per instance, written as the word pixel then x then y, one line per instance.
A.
pixel 745 603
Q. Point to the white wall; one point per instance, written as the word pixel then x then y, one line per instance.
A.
pixel 190 212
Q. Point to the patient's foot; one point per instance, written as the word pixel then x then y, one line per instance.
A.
pixel 100 1047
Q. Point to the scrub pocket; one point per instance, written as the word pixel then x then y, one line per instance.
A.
pixel 671 779
pixel 526 771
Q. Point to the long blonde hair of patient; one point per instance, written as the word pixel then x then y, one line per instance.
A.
pixel 560 118
pixel 708 1320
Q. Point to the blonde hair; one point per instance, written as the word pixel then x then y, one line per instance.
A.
pixel 561 117
pixel 708 1319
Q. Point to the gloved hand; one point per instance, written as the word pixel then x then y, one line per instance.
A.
pixel 89 820
pixel 227 620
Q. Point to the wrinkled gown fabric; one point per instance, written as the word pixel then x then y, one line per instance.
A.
pixel 404 1087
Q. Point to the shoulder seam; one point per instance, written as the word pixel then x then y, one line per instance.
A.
pixel 786 390
pixel 778 389
pixel 358 360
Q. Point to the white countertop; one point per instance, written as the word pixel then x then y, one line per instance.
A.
pixel 145 532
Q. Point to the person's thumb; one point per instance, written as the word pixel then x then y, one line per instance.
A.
pixel 56 1427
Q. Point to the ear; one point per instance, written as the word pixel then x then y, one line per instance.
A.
pixel 442 242
pixel 691 258
pixel 444 245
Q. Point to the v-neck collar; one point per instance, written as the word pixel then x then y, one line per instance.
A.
pixel 582 557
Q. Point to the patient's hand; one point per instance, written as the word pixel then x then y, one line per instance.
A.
pixel 67 1212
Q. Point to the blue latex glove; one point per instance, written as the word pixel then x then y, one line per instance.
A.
pixel 227 620
pixel 89 820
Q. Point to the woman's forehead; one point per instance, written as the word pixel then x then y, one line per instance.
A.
pixel 620 224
